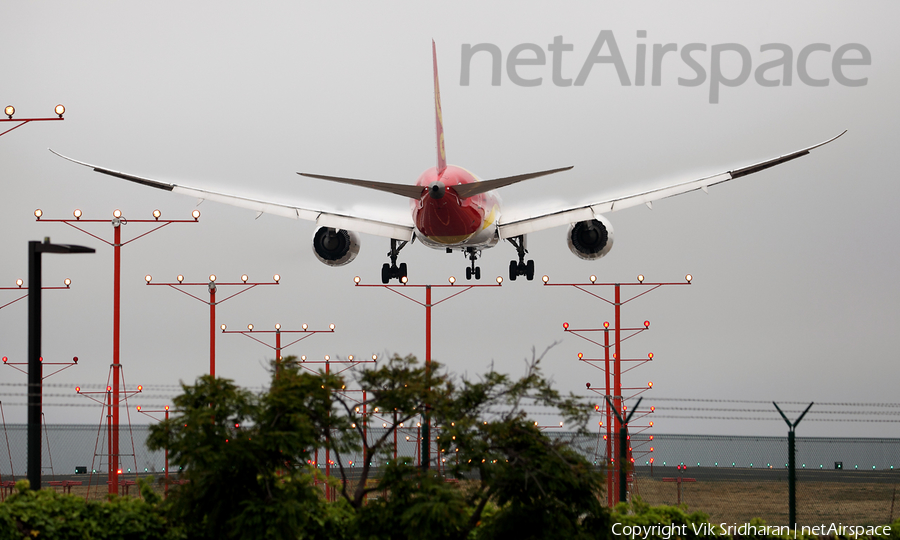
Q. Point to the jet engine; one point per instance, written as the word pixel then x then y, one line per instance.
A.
pixel 335 247
pixel 590 240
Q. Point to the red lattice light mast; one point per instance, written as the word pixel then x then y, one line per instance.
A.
pixel 618 408
pixel 117 222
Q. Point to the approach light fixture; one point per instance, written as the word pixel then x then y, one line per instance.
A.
pixel 277 278
pixel 688 278
pixel 646 324
pixel 403 280
pixel 374 357
pixel 195 214
pixel 19 283
pixel 77 213
pixel 356 279
pixel 9 111
pixel 38 213
pixel 157 214
pixel 452 280
pixel 223 327
pixel 212 278
pixel 303 358
pixel 640 278
pixel 331 327
pixel 327 357
pixel 117 213
pixel 67 281
pixel 60 110
pixel 180 278
pixel 545 279
pixel 277 326
pixel 148 278
pixel 593 278
pixel 499 280
pixel 605 324
pixel 305 326
pixel 244 278
pixel 350 358
pixel 250 327
pixel 650 384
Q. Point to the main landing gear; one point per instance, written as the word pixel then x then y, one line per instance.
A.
pixel 520 267
pixel 392 271
pixel 473 270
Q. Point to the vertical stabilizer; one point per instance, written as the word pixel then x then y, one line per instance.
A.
pixel 438 118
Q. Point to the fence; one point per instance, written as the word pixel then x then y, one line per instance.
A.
pixel 734 478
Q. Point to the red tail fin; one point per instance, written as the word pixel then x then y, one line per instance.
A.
pixel 438 118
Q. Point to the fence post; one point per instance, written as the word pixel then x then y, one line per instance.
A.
pixel 792 469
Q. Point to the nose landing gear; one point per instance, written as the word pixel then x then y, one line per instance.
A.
pixel 473 270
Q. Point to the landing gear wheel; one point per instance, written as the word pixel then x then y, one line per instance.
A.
pixel 403 270
pixel 477 272
pixel 385 273
pixel 468 273
pixel 529 271
pixel 513 270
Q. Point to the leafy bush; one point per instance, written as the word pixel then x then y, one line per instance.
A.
pixel 48 514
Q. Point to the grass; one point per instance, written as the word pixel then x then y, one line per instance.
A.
pixel 728 501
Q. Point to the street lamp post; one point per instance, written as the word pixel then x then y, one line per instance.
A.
pixel 35 250
pixel 212 286
pixel 9 111
pixel 117 222
pixel 426 423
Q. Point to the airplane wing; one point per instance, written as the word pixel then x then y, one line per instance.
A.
pixel 517 225
pixel 323 218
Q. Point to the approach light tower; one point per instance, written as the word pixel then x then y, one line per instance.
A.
pixel 118 221
pixel 616 402
pixel 10 111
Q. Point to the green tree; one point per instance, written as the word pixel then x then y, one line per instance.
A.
pixel 245 458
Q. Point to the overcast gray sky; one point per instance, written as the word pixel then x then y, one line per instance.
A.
pixel 794 295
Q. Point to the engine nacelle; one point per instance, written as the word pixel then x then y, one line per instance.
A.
pixel 590 240
pixel 335 247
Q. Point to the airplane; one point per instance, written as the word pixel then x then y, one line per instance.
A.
pixel 453 209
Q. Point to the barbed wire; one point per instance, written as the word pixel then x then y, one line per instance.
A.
pixel 778 419
pixel 812 411
pixel 823 403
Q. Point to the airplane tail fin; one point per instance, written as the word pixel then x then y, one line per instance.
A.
pixel 438 118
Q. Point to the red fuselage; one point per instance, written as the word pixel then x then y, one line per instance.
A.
pixel 446 219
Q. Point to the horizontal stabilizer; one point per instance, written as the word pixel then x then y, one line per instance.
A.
pixel 405 190
pixel 470 190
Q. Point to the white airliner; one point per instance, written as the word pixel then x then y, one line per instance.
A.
pixel 453 209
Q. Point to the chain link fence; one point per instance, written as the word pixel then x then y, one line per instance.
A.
pixel 731 478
